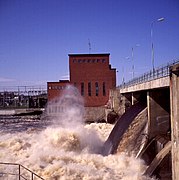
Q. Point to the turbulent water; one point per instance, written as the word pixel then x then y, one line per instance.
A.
pixel 59 152
pixel 67 153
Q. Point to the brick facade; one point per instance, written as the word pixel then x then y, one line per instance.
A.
pixel 92 75
pixel 55 89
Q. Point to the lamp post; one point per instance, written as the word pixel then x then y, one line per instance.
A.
pixel 132 63
pixel 132 56
pixel 123 81
pixel 123 72
pixel 152 44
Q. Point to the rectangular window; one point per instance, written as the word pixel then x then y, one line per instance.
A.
pixel 97 88
pixel 104 89
pixel 89 89
pixel 82 89
pixel 103 60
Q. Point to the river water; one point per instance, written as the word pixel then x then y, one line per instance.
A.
pixel 64 148
pixel 55 152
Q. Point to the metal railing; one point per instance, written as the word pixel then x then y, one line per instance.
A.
pixel 157 73
pixel 17 172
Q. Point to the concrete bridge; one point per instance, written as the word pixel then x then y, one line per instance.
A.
pixel 159 89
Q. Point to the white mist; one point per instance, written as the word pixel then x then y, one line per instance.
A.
pixel 67 150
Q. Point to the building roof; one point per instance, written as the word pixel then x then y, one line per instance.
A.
pixel 60 81
pixel 92 55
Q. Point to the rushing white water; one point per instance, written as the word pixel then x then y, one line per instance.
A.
pixel 58 153
pixel 61 152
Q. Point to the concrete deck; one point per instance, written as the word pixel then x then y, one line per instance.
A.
pixel 153 84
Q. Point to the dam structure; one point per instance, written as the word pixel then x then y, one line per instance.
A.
pixel 158 91
pixel 155 95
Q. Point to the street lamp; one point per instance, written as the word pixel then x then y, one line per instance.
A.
pixel 123 72
pixel 152 44
pixel 123 81
pixel 137 45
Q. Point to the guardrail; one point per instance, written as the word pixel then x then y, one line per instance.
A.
pixel 17 172
pixel 157 73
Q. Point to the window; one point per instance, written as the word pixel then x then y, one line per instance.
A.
pixel 104 89
pixel 89 89
pixel 97 88
pixel 82 89
pixel 103 60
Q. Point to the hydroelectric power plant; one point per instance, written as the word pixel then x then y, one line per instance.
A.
pixel 142 144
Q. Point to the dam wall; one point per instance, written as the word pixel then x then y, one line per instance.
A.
pixel 174 101
pixel 24 111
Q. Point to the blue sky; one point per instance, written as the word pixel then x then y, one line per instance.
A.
pixel 36 36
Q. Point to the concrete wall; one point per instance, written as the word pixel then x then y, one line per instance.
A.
pixel 7 112
pixel 174 98
pixel 19 111
pixel 94 113
pixel 158 104
pixel 114 99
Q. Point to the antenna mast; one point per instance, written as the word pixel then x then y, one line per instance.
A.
pixel 89 44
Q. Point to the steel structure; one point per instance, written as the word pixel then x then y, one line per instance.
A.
pixel 22 96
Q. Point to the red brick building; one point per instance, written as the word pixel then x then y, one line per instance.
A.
pixel 54 89
pixel 92 75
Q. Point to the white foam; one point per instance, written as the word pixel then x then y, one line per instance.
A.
pixel 68 154
pixel 69 149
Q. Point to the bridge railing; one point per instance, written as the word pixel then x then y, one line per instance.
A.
pixel 15 171
pixel 151 75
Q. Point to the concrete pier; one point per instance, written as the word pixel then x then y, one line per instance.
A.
pixel 174 101
pixel 158 104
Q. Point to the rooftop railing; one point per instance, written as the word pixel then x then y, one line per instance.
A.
pixel 15 171
pixel 157 73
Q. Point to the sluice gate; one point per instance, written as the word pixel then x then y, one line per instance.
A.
pixel 122 124
pixel 156 152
